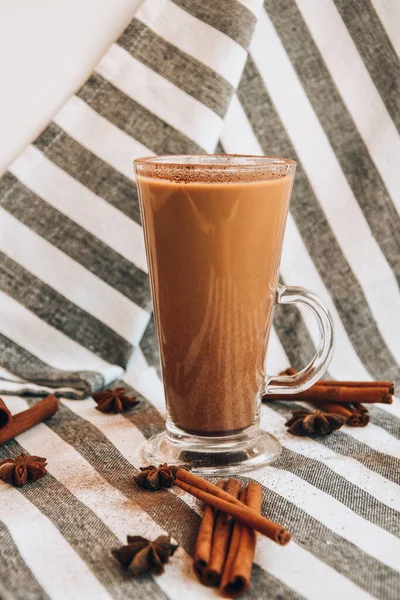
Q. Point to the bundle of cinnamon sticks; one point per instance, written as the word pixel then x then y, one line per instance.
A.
pixel 13 425
pixel 226 540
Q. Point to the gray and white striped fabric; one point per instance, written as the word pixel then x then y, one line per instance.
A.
pixel 316 81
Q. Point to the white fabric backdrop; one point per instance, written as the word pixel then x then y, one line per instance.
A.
pixel 35 81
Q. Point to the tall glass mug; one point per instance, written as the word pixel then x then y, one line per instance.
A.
pixel 214 229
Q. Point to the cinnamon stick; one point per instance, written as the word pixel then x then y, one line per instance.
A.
pixel 28 418
pixel 228 578
pixel 5 415
pixel 202 551
pixel 356 416
pixel 241 512
pixel 238 566
pixel 388 386
pixel 220 541
pixel 322 394
pixel 207 486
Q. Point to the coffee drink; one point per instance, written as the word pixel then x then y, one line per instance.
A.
pixel 213 243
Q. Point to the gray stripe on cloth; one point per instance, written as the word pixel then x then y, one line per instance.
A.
pixel 317 235
pixel 385 420
pixel 90 170
pixel 345 557
pixel 75 241
pixel 376 50
pixel 386 465
pixel 24 364
pixel 179 520
pixel 16 577
pixel 321 476
pixel 228 16
pixel 64 315
pixel 149 346
pixel 181 69
pixel 135 119
pixel 87 534
pixel 351 152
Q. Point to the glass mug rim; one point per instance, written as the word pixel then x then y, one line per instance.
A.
pixel 169 166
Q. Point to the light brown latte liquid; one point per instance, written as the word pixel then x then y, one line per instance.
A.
pixel 214 251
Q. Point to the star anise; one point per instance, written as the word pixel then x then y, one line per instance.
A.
pixel 142 556
pixel 22 469
pixel 154 478
pixel 115 401
pixel 306 423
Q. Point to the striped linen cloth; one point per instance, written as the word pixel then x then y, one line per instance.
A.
pixel 315 81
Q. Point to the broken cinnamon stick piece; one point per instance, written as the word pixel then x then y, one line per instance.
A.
pixel 220 541
pixel 28 418
pixel 202 551
pixel 241 512
pixel 239 563
pixel 5 415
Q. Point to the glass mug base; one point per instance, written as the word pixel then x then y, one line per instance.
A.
pixel 226 455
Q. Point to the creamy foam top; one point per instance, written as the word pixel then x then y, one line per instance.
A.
pixel 214 168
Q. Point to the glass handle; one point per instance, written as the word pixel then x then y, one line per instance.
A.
pixel 293 384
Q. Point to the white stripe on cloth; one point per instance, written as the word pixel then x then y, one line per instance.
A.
pixel 54 564
pixel 389 13
pixel 340 207
pixel 275 559
pixel 168 102
pixel 357 89
pixel 374 484
pixel 40 339
pixel 269 555
pixel 81 205
pixel 100 136
pixel 198 39
pixel 71 279
pixel 121 515
pixel 378 543
pixel 238 137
